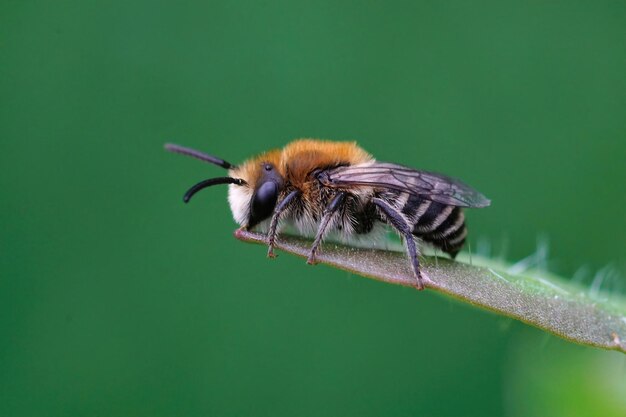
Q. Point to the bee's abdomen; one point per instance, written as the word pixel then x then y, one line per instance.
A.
pixel 441 225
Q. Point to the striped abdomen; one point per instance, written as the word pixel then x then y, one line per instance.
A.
pixel 440 225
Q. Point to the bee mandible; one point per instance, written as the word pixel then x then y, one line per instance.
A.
pixel 320 187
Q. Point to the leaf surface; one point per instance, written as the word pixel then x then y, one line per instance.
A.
pixel 539 299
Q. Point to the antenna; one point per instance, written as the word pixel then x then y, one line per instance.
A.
pixel 210 182
pixel 198 155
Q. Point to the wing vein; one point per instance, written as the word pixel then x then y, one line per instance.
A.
pixel 428 185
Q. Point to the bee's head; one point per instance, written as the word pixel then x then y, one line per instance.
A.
pixel 254 186
pixel 255 202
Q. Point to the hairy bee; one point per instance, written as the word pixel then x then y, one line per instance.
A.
pixel 322 186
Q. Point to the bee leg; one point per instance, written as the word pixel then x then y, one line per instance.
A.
pixel 329 212
pixel 398 222
pixel 280 207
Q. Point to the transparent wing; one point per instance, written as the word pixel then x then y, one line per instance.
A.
pixel 430 186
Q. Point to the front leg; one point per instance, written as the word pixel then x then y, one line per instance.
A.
pixel 280 207
pixel 329 212
pixel 399 223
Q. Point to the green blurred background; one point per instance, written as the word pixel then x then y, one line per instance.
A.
pixel 116 299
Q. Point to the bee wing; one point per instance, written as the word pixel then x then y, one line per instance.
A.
pixel 429 185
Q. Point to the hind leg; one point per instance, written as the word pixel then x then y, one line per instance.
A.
pixel 398 222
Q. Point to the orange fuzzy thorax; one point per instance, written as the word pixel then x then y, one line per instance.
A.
pixel 300 157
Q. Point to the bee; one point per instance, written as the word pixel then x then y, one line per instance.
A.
pixel 321 187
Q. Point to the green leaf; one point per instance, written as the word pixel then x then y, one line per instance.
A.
pixel 537 298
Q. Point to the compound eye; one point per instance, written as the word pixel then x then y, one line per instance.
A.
pixel 263 202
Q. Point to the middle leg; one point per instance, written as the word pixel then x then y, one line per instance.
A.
pixel 329 212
